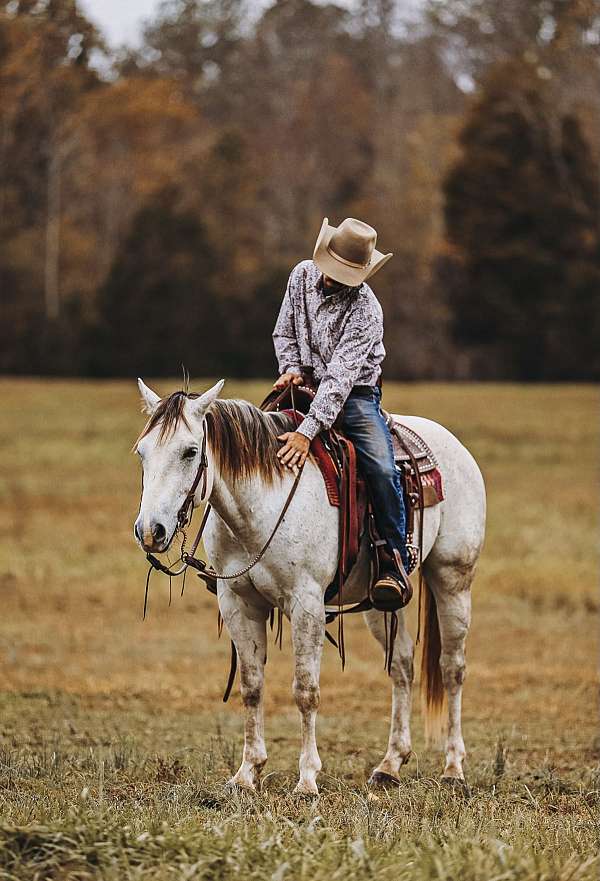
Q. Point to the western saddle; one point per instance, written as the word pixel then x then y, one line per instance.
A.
pixel 335 454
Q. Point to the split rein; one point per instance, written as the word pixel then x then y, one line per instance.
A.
pixel 184 518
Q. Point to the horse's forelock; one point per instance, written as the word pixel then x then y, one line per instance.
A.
pixel 168 414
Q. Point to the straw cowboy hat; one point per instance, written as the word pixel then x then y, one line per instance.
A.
pixel 347 253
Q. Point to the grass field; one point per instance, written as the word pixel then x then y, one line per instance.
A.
pixel 114 742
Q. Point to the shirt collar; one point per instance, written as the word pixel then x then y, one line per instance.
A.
pixel 341 291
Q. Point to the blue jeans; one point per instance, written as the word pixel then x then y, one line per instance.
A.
pixel 364 424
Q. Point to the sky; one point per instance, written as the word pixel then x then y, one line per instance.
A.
pixel 119 20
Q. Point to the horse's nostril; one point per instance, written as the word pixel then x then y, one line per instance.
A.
pixel 136 531
pixel 158 532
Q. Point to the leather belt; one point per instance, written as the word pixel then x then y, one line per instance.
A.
pixel 360 390
pixel 308 374
pixel 363 391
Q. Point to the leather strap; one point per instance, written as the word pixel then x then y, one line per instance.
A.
pixel 421 505
pixel 232 672
pixel 205 571
pixel 183 515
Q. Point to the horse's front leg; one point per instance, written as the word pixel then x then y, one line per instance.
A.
pixel 247 628
pixel 308 633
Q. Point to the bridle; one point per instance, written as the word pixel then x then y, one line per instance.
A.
pixel 184 517
pixel 185 513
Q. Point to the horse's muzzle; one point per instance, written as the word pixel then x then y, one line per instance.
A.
pixel 153 538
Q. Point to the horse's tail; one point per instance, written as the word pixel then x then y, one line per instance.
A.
pixel 432 687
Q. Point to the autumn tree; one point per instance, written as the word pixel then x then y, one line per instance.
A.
pixel 158 307
pixel 522 213
pixel 44 70
pixel 227 134
pixel 125 149
pixel 195 44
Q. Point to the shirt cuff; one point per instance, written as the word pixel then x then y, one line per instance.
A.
pixel 297 371
pixel 309 427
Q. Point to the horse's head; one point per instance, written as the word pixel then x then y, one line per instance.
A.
pixel 170 449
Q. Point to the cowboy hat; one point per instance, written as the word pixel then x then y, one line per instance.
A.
pixel 347 253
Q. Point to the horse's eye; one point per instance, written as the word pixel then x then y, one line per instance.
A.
pixel 190 453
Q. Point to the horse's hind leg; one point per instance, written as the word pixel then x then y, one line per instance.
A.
pixel 250 639
pixel 399 744
pixel 451 586
pixel 308 634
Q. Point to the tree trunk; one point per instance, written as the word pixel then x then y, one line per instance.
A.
pixel 51 267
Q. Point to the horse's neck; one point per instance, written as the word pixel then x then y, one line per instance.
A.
pixel 249 506
pixel 231 505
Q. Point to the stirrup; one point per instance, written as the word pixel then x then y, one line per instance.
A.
pixel 391 592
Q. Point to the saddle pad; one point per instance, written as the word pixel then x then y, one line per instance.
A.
pixel 328 470
pixel 348 493
pixel 321 456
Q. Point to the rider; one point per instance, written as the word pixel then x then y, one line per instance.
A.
pixel 330 327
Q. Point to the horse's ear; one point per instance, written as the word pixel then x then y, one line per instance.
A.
pixel 150 400
pixel 200 405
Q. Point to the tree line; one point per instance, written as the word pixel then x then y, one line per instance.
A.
pixel 153 199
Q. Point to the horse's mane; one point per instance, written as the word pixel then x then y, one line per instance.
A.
pixel 242 438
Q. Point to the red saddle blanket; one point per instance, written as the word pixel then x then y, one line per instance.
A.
pixel 323 459
pixel 346 490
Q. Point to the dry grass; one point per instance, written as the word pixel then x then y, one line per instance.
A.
pixel 114 740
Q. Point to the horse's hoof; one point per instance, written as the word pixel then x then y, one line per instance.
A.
pixel 240 786
pixel 306 792
pixel 381 780
pixel 458 784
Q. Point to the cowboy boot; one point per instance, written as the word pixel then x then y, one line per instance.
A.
pixel 392 589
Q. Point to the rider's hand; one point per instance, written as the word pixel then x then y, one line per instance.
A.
pixel 287 379
pixel 295 450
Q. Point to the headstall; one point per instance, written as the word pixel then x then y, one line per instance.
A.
pixel 184 517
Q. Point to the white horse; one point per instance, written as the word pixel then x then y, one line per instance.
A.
pixel 247 488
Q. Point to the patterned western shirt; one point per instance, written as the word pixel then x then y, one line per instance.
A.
pixel 338 335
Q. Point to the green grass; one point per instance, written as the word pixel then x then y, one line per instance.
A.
pixel 100 791
pixel 114 743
